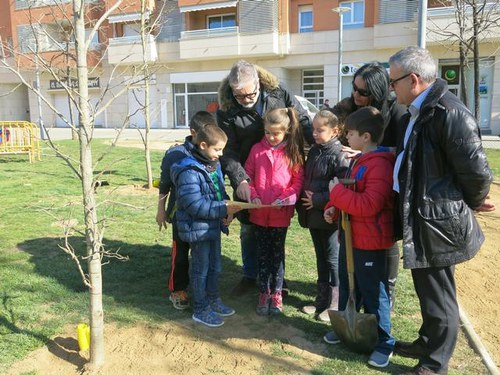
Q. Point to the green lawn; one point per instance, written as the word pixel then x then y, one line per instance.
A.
pixel 494 160
pixel 41 290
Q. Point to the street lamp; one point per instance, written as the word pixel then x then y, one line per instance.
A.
pixel 37 73
pixel 340 11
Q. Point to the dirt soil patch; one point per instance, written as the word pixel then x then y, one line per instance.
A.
pixel 244 345
pixel 478 282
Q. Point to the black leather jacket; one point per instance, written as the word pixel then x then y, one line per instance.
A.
pixel 324 162
pixel 443 177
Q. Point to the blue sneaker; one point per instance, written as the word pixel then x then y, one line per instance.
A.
pixel 218 307
pixel 378 359
pixel 331 338
pixel 209 318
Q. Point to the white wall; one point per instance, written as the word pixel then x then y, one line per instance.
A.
pixel 14 104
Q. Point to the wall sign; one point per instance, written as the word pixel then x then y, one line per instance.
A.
pixel 93 83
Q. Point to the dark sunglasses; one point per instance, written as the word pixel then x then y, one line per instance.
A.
pixel 393 81
pixel 250 96
pixel 362 92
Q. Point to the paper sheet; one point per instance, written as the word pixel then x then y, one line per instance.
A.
pixel 249 206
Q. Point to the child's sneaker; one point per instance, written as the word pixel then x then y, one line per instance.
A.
pixel 378 359
pixel 264 302
pixel 276 304
pixel 223 310
pixel 179 300
pixel 331 338
pixel 209 318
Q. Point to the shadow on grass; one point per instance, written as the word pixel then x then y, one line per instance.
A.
pixel 141 282
pixel 136 290
pixel 64 348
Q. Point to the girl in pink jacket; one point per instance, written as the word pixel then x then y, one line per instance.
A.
pixel 275 167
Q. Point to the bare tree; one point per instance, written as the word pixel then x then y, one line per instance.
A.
pixel 61 66
pixel 475 21
pixel 145 40
pixel 150 23
pixel 93 233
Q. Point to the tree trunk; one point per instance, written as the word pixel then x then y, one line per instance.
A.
pixel 93 236
pixel 477 104
pixel 147 114
pixel 462 50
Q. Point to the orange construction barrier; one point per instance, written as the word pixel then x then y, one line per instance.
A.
pixel 19 137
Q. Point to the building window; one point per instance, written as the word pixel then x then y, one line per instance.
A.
pixel 356 16
pixel 94 43
pixel 313 86
pixel 221 21
pixel 192 97
pixel 305 19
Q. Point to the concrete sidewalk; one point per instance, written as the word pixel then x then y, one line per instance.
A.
pixel 491 141
pixel 156 135
pixel 178 135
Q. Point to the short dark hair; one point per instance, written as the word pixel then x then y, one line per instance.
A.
pixel 210 134
pixel 367 120
pixel 200 119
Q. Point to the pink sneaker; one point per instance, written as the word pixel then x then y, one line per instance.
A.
pixel 263 306
pixel 276 304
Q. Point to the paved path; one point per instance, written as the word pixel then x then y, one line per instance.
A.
pixel 178 135
pixel 165 135
pixel 491 141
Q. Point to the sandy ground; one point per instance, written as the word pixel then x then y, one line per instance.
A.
pixel 478 282
pixel 186 348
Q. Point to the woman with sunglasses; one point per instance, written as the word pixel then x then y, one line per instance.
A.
pixel 370 87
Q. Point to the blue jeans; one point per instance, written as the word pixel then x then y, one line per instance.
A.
pixel 204 275
pixel 326 246
pixel 372 289
pixel 249 254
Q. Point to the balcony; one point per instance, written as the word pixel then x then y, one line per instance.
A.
pixel 400 15
pixel 128 50
pixel 25 4
pixel 227 43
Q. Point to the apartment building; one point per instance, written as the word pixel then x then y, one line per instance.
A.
pixel 195 42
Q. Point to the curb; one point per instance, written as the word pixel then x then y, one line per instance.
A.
pixel 477 344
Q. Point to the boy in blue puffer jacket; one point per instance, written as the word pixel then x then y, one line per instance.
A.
pixel 178 280
pixel 202 214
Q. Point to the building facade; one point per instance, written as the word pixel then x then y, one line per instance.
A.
pixel 191 44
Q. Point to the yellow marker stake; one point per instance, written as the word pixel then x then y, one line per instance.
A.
pixel 83 334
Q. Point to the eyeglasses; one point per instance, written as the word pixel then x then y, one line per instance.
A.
pixel 250 96
pixel 393 81
pixel 362 92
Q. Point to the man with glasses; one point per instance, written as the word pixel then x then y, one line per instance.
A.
pixel 441 176
pixel 244 97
